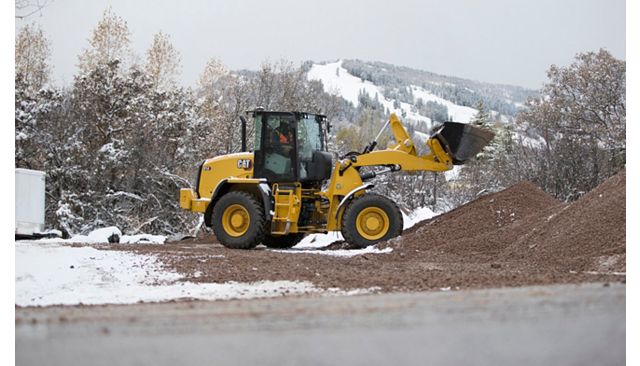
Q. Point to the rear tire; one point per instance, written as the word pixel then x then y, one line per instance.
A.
pixel 369 219
pixel 238 221
pixel 282 241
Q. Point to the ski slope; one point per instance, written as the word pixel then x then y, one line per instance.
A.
pixel 338 81
pixel 458 113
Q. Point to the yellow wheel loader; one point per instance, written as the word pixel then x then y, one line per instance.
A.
pixel 289 186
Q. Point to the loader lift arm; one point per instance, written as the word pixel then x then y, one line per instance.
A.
pixel 347 182
pixel 403 155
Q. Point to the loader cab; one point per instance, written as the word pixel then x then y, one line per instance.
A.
pixel 290 147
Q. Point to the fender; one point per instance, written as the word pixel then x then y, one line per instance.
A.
pixel 349 195
pixel 225 186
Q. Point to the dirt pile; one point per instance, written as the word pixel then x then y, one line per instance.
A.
pixel 523 224
pixel 481 228
pixel 586 235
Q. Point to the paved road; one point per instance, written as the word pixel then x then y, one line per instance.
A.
pixel 550 325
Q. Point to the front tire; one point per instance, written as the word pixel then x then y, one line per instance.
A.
pixel 282 241
pixel 238 221
pixel 369 219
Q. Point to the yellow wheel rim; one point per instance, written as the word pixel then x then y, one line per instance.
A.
pixel 372 223
pixel 235 220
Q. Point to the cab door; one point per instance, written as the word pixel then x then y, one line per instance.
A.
pixel 276 147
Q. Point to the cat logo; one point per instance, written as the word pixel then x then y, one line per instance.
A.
pixel 244 163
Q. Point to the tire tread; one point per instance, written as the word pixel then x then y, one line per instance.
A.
pixel 349 231
pixel 257 228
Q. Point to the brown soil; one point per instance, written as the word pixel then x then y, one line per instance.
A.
pixel 587 235
pixel 519 236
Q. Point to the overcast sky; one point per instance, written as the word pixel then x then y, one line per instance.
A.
pixel 500 41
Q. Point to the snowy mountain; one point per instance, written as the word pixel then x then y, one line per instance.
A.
pixel 420 97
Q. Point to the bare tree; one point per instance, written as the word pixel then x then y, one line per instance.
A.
pixel 581 114
pixel 210 93
pixel 283 86
pixel 163 62
pixel 109 42
pixel 27 8
pixel 212 72
pixel 32 56
pixel 225 96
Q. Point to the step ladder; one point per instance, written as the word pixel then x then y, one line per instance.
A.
pixel 286 206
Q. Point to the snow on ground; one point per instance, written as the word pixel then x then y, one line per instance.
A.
pixel 337 79
pixel 532 142
pixel 319 240
pixel 311 243
pixel 102 236
pixel 336 252
pixel 143 238
pixel 416 216
pixel 457 112
pixel 451 175
pixel 48 272
pixel 54 274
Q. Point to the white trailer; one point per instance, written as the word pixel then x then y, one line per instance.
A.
pixel 30 186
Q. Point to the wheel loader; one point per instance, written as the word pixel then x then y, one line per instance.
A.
pixel 289 186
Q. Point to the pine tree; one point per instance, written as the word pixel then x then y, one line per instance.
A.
pixel 482 116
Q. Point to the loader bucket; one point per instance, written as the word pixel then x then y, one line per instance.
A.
pixel 463 141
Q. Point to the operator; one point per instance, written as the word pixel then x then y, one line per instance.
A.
pixel 278 156
pixel 284 134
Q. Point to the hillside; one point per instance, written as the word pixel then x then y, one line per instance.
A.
pixel 421 97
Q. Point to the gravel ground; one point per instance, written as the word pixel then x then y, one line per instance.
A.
pixel 517 237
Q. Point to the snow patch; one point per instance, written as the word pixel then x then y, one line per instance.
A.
pixel 337 252
pixel 319 240
pixel 528 141
pixel 143 238
pixel 322 240
pixel 54 274
pixel 102 235
pixel 458 113
pixel 337 80
pixel 416 216
pixel 452 175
